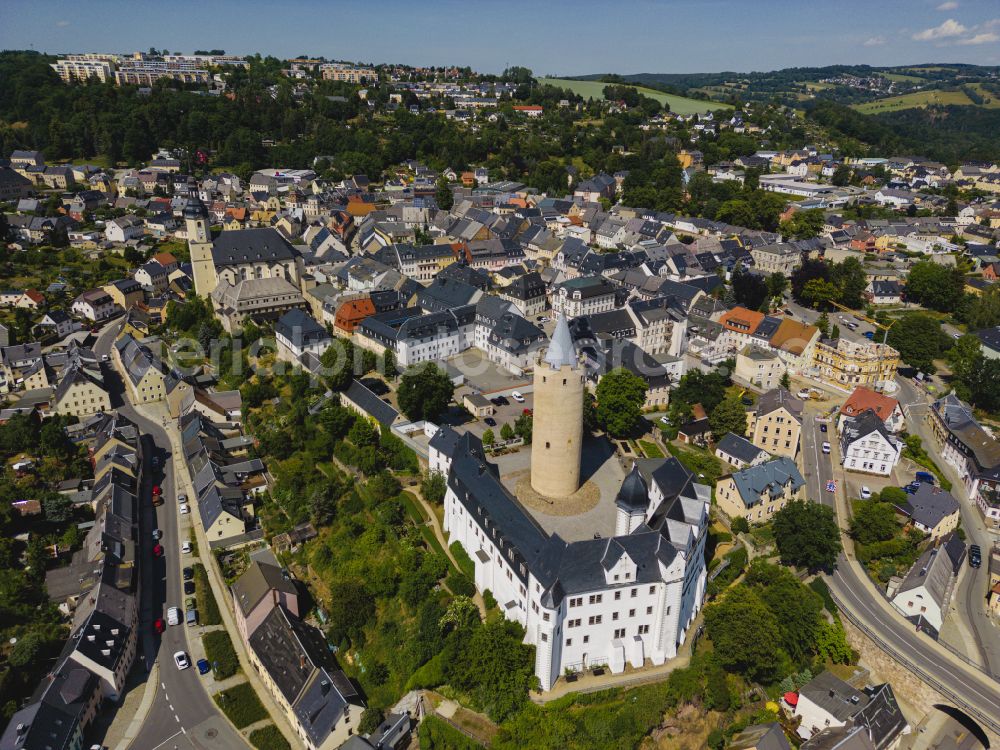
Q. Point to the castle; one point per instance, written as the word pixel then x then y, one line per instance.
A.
pixel 608 602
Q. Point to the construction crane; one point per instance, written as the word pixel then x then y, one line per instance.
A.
pixel 865 318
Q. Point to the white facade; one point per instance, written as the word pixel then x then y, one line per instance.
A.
pixel 123 229
pixel 871 454
pixel 650 585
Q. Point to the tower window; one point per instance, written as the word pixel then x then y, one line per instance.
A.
pixel 564 381
pixel 546 443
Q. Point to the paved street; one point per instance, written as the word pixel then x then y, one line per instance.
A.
pixel 858 596
pixel 183 715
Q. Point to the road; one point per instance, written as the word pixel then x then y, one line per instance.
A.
pixel 183 714
pixel 858 597
pixel 969 598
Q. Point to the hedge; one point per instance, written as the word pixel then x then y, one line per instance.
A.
pixel 220 652
pixel 436 734
pixel 269 738
pixel 241 705
pixel 464 561
pixel 208 608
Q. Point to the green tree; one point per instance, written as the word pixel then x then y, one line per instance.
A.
pixel 807 535
pixel 804 225
pixel 425 392
pixel 823 324
pixel 935 286
pixel 620 395
pixel 371 718
pixel 489 438
pixel 873 522
pixel 433 487
pixel 742 630
pixel 984 385
pixel 841 175
pixel 786 381
pixel 496 669
pixel 523 427
pixel 461 614
pixel 506 432
pixel 729 416
pixel 964 357
pixel 443 196
pixel 352 607
pixel 750 289
pixel 917 337
pixel 777 283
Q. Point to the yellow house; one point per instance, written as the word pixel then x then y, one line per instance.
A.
pixel 125 293
pixel 851 364
pixel 758 492
pixel 262 217
pixel 80 393
pixel 775 424
pixel 142 371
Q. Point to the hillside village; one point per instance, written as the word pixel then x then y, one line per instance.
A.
pixel 773 366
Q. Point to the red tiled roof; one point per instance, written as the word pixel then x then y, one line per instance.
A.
pixel 865 398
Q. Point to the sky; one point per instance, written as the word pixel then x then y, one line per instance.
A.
pixel 552 37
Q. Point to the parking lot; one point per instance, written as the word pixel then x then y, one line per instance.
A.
pixel 487 377
pixel 504 413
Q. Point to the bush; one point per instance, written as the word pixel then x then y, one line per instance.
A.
pixel 819 586
pixel 465 563
pixel 489 599
pixel 461 585
pixel 740 525
pixel 241 705
pixel 436 734
pixel 371 717
pixel 269 738
pixel 208 608
pixel 220 652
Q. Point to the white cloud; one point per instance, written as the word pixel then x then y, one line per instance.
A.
pixel 875 41
pixel 950 5
pixel 985 37
pixel 948 29
pixel 62 24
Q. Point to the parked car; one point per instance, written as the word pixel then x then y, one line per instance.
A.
pixel 157 550
pixel 502 401
pixel 191 617
pixel 822 428
pixel 495 401
pixel 157 490
pixel 516 395
pixel 188 587
pixel 203 666
pixel 158 626
pixel 490 421
pixel 865 493
pixel 181 660
pixel 826 447
pixel 870 335
pixel 804 393
pixel 528 412
pixel 184 509
pixel 188 574
pixel 924 477
pixel 186 548
pixel 182 498
pixel 173 616
pixel 157 533
pixel 665 420
pixel 975 556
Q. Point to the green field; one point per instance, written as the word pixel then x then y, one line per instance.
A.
pixel 680 105
pixel 900 78
pixel 915 99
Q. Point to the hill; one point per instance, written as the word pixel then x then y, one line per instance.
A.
pixel 681 105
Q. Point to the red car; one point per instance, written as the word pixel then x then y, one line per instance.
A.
pixel 527 412
pixel 158 626
pixel 157 550
pixel 157 490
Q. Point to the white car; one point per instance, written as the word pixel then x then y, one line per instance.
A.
pixel 157 533
pixel 865 493
pixel 185 509
pixel 665 420
pixel 173 616
pixel 516 395
pixel 826 447
pixel 181 660
pixel 804 393
pixel 956 335
pixel 186 548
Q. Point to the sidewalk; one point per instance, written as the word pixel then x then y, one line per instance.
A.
pixel 158 414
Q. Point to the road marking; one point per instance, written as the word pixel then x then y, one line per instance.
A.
pixel 167 740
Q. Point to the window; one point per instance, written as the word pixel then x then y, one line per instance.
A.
pixel 596 598
pixel 545 637
pixel 586 639
pixel 594 620
pixel 576 602
pixel 643 629
pixel 569 641
pixel 573 623
pixel 618 595
pixel 619 633
pixel 545 616
pixel 631 613
pixel 614 615
pixel 652 589
pixel 635 593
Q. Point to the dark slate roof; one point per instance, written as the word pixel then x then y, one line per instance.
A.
pixel 634 494
pixel 241 246
pixel 777 478
pixel 863 425
pixel 300 328
pixel 445 294
pixel 372 405
pixel 761 737
pixel 738 447
pixel 990 338
pixel 929 505
pixel 834 696
pixel 778 398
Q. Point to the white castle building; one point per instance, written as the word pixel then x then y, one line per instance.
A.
pixel 616 601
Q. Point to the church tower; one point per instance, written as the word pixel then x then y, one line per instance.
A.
pixel 557 432
pixel 200 246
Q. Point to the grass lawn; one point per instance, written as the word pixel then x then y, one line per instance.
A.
pixel 241 705
pixel 698 460
pixel 208 608
pixel 650 449
pixel 680 105
pixel 220 652
pixel 900 78
pixel 269 738
pixel 914 99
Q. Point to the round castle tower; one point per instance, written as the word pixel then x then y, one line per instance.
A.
pixel 557 432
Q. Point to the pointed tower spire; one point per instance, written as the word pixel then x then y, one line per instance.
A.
pixel 562 350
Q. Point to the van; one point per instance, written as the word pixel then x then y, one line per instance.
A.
pixel 191 617
pixel 173 616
